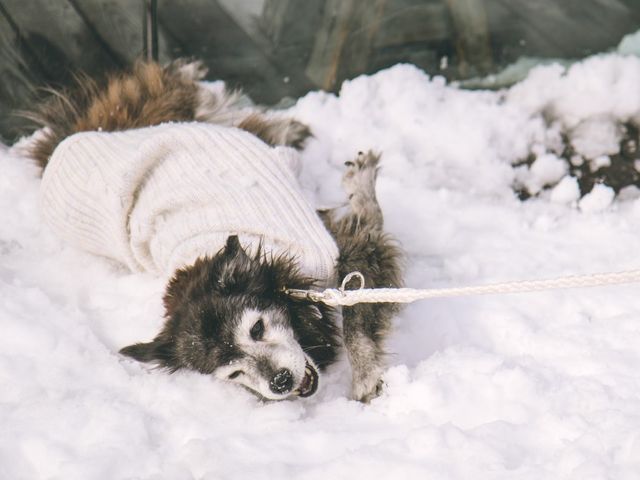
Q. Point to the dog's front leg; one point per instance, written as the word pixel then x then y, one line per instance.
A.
pixel 365 329
pixel 365 248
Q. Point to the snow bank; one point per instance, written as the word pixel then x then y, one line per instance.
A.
pixel 531 386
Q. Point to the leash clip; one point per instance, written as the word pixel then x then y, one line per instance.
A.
pixel 330 296
pixel 311 295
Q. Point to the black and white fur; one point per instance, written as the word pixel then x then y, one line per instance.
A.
pixel 228 315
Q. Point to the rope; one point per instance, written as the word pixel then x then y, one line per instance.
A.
pixel 341 296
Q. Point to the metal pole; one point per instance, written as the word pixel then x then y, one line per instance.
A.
pixel 150 31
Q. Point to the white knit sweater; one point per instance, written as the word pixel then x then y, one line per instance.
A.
pixel 157 198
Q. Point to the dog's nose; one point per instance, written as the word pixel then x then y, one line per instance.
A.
pixel 282 381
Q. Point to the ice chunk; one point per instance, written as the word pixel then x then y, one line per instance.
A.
pixel 566 191
pixel 598 199
pixel 546 170
pixel 596 137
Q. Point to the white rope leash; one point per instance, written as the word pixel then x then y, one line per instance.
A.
pixel 341 296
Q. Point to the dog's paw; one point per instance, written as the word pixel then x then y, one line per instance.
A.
pixel 295 134
pixel 190 71
pixel 367 390
pixel 285 131
pixel 360 175
pixel 359 182
pixel 276 130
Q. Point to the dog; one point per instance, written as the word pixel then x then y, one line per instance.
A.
pixel 227 312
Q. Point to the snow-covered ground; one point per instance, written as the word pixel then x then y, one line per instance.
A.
pixel 535 386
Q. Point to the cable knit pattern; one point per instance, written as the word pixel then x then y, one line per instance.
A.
pixel 157 198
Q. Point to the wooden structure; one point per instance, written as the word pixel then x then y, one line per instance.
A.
pixel 284 48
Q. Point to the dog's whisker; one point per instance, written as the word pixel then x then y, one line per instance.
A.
pixel 312 347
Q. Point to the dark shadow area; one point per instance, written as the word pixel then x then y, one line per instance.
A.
pixel 278 49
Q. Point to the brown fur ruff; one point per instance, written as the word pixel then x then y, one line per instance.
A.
pixel 146 96
pixel 149 95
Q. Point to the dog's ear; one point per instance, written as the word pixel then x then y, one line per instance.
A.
pixel 233 247
pixel 160 350
pixel 234 266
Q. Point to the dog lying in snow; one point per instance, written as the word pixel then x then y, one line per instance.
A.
pixel 211 202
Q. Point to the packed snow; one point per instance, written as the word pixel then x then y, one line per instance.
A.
pixel 531 386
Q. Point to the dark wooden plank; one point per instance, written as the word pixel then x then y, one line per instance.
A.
pixel 413 22
pixel 283 30
pixel 569 29
pixel 16 81
pixel 290 27
pixel 417 32
pixel 118 23
pixel 207 32
pixel 60 36
pixel 344 41
pixel 472 38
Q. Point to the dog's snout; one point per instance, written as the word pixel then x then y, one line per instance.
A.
pixel 282 381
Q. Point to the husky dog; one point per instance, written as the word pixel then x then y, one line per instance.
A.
pixel 227 314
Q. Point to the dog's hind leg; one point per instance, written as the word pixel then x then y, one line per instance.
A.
pixel 276 131
pixel 364 247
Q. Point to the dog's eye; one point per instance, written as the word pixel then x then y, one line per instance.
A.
pixel 235 374
pixel 257 331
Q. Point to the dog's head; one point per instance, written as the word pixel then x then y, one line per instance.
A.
pixel 228 316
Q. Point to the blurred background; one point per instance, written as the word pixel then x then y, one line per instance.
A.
pixel 277 50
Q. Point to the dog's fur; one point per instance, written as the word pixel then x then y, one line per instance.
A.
pixel 228 316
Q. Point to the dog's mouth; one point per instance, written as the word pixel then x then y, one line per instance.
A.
pixel 309 383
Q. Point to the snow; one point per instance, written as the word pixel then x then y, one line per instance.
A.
pixel 597 200
pixel 528 386
pixel 630 44
pixel 597 137
pixel 566 191
pixel 547 169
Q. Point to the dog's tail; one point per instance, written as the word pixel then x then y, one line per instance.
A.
pixel 148 95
